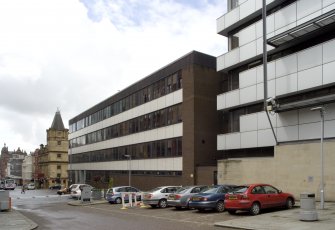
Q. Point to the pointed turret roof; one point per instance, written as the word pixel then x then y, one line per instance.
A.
pixel 57 123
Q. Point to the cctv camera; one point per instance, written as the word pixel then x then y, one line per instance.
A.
pixel 317 108
pixel 271 100
pixel 272 105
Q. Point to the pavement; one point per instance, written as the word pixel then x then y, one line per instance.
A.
pixel 14 220
pixel 285 219
pixel 277 220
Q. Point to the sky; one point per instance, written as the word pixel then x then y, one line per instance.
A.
pixel 72 54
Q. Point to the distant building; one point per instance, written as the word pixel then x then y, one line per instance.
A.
pixel 4 158
pixel 53 157
pixel 11 164
pixel 15 165
pixel 37 174
pixel 27 169
pixel 166 123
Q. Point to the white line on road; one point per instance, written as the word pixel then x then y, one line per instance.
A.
pixel 34 197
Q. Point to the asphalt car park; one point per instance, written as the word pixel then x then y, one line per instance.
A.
pixel 185 216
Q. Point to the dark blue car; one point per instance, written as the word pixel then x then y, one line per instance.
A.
pixel 213 198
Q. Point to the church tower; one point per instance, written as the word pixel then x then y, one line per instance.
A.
pixel 54 156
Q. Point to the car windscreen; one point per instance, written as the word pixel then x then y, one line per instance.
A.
pixel 211 190
pixel 240 189
pixel 155 189
pixel 122 189
pixel 182 190
pixel 205 188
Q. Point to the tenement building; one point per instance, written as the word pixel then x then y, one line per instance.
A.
pixel 11 164
pixel 162 129
pixel 300 84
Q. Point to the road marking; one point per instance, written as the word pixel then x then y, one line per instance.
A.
pixel 34 197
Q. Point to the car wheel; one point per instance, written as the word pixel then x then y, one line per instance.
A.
pixel 118 200
pixel 188 205
pixel 162 203
pixel 232 212
pixel 220 206
pixel 255 209
pixel 289 203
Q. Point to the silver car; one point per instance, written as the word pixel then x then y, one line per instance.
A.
pixel 180 199
pixel 158 196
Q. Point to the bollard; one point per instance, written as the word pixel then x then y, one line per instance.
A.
pixel 142 203
pixel 130 200
pixel 137 203
pixel 123 203
pixel 131 203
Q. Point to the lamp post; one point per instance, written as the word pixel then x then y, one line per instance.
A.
pixel 322 194
pixel 70 171
pixel 129 167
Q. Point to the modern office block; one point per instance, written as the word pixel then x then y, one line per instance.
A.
pixel 166 122
pixel 300 75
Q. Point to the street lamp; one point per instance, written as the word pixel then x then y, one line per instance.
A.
pixel 322 194
pixel 129 166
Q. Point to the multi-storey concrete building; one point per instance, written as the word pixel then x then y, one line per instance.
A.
pixel 53 158
pixel 300 75
pixel 166 122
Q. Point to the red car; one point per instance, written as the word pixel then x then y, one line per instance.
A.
pixel 254 197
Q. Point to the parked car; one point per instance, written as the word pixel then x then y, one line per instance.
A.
pixel 76 190
pixel 63 190
pixel 70 187
pixel 180 199
pixel 213 198
pixel 56 186
pixel 113 195
pixel 255 197
pixel 158 196
pixel 31 186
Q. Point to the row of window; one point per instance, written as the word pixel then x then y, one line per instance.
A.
pixel 155 149
pixel 158 89
pixel 230 121
pixel 157 119
pixel 106 175
pixel 249 152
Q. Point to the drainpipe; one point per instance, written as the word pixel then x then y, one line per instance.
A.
pixel 265 68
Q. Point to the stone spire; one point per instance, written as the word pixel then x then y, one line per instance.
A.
pixel 57 123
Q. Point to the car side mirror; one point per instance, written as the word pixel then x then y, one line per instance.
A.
pixel 280 191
